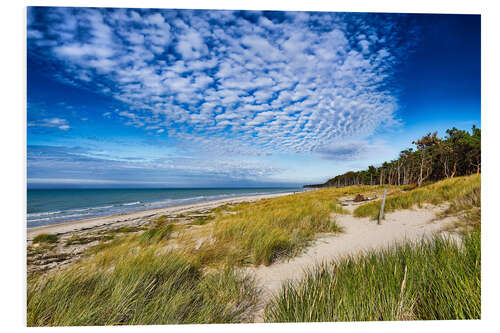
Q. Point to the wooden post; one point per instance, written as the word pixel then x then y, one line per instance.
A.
pixel 381 214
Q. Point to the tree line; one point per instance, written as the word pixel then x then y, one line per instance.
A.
pixel 431 159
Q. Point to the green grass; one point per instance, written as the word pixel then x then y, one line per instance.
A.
pixel 85 239
pixel 124 230
pixel 120 286
pixel 435 193
pixel 157 233
pixel 265 231
pixel 45 238
pixel 202 220
pixel 435 279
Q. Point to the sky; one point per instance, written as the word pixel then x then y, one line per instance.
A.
pixel 208 98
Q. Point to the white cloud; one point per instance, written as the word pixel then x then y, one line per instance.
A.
pixel 220 81
pixel 59 123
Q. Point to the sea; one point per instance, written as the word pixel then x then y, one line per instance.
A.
pixel 59 205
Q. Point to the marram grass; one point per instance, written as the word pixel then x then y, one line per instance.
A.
pixel 429 280
pixel 124 287
pixel 265 231
pixel 435 194
pixel 45 238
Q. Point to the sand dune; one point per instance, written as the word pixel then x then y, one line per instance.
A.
pixel 360 234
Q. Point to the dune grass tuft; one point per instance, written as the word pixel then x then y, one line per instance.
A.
pixel 121 286
pixel 434 279
pixel 435 193
pixel 45 238
pixel 85 239
pixel 157 234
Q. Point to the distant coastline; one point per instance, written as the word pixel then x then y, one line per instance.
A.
pixel 89 222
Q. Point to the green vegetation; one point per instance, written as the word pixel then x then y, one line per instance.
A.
pixel 80 240
pixel 264 231
pixel 124 230
pixel 437 279
pixel 45 238
pixel 157 233
pixel 202 220
pixel 122 287
pixel 459 188
pixel 457 154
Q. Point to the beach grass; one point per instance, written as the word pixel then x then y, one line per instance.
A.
pixel 202 220
pixel 123 230
pixel 434 193
pixel 468 208
pixel 85 239
pixel 428 280
pixel 157 233
pixel 247 233
pixel 45 238
pixel 265 231
pixel 123 286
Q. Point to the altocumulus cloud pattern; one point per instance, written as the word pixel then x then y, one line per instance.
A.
pixel 240 82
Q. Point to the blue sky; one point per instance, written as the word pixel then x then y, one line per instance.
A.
pixel 182 98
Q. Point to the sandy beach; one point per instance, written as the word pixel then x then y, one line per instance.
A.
pixel 138 217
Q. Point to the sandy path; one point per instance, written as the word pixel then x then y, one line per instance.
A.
pixel 360 234
pixel 139 217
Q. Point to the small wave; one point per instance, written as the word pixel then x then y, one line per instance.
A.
pixel 57 217
pixel 170 202
pixel 200 198
pixel 103 207
pixel 131 203
pixel 44 213
pixel 155 203
pixel 87 209
pixel 42 219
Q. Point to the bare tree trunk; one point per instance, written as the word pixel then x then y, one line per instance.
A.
pixel 478 168
pixel 446 172
pixel 420 177
pixel 454 169
pixel 399 173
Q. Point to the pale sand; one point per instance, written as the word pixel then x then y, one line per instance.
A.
pixel 359 235
pixel 139 217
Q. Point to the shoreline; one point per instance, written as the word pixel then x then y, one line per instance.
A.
pixel 140 216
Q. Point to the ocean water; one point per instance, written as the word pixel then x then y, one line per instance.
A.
pixel 59 205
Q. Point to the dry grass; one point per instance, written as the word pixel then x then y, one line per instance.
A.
pixel 265 231
pixel 435 193
pixel 468 210
pixel 126 285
